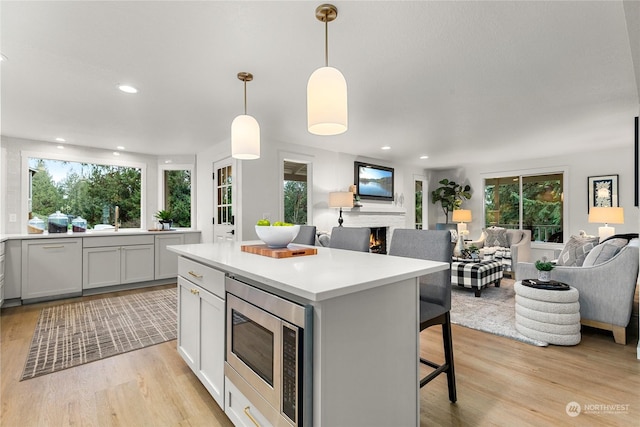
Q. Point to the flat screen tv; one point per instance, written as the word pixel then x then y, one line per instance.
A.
pixel 373 182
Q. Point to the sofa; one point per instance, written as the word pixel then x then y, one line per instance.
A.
pixel 605 274
pixel 509 246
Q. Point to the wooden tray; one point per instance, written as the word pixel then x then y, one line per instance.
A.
pixel 291 251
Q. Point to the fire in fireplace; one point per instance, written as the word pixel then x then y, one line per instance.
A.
pixel 378 240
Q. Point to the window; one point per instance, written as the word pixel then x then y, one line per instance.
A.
pixel 533 202
pixel 177 196
pixel 418 185
pixel 89 190
pixel 295 192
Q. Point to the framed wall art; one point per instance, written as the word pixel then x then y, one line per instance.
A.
pixel 603 191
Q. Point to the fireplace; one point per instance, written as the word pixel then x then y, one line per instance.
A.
pixel 378 240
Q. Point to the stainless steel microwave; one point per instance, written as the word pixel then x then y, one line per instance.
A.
pixel 269 346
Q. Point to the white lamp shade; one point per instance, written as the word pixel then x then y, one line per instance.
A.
pixel 462 215
pixel 327 102
pixel 607 215
pixel 341 199
pixel 245 138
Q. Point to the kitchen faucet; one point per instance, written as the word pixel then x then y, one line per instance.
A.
pixel 117 218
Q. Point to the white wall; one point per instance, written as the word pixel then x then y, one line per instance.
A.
pixel 260 182
pixel 12 172
pixel 609 161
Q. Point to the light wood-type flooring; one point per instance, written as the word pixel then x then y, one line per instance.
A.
pixel 501 382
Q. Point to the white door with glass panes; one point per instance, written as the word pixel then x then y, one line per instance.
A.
pixel 223 201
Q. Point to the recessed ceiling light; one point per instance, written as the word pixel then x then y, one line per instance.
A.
pixel 60 139
pixel 386 147
pixel 115 153
pixel 424 157
pixel 120 147
pixel 60 147
pixel 3 58
pixel 127 89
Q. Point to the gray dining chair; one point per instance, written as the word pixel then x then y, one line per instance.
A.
pixel 435 292
pixel 351 238
pixel 306 235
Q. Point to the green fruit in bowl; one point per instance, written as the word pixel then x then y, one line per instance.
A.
pixel 263 222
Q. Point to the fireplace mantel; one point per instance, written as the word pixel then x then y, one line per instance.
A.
pixel 396 210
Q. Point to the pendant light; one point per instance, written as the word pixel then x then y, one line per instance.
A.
pixel 327 88
pixel 245 131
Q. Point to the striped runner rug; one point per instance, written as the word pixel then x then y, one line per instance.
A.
pixel 72 334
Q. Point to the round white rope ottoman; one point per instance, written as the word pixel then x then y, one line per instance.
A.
pixel 551 316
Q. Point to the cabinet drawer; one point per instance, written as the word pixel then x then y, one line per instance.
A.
pixel 240 410
pixel 97 242
pixel 208 278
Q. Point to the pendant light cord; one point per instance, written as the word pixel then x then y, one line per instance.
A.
pixel 245 97
pixel 326 40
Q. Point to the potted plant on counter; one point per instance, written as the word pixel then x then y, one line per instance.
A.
pixel 165 219
pixel 544 268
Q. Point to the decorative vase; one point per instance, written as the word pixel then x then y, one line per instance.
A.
pixel 544 276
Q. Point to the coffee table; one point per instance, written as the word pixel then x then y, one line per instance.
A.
pixel 475 274
pixel 551 316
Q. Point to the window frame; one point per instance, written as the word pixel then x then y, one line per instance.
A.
pixel 24 178
pixel 161 186
pixel 521 173
pixel 297 158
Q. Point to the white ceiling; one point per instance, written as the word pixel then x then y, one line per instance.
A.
pixel 458 81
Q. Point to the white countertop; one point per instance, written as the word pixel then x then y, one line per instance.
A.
pixel 330 273
pixel 92 233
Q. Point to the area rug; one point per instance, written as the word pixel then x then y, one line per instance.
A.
pixel 72 334
pixel 493 312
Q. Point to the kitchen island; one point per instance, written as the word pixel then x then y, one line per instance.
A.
pixel 365 325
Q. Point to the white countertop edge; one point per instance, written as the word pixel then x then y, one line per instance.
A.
pixel 91 233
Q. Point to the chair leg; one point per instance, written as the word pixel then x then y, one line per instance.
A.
pixel 448 356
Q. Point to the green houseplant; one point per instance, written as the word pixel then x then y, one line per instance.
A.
pixel 544 268
pixel 450 195
pixel 165 218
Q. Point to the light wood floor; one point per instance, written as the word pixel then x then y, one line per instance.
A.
pixel 501 382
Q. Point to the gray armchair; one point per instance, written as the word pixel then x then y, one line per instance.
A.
pixel 519 244
pixel 606 290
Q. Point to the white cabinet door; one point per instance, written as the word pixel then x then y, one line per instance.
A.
pixel 136 263
pixel 201 325
pixel 51 267
pixel 188 322
pixel 211 358
pixel 167 262
pixel 100 267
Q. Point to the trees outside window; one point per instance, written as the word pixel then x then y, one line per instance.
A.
pixel 177 193
pixel 89 190
pixel 542 204
pixel 295 192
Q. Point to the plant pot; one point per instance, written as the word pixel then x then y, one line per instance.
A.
pixel 166 225
pixel 544 276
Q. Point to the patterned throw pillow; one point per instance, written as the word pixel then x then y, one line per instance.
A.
pixel 604 252
pixel 496 236
pixel 575 250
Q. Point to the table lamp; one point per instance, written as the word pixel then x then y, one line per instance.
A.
pixel 461 216
pixel 341 199
pixel 607 215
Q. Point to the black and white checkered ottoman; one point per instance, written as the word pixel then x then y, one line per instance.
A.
pixel 476 275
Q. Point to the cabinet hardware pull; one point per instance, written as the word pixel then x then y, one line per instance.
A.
pixel 195 291
pixel 246 411
pixel 196 275
pixel 53 247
